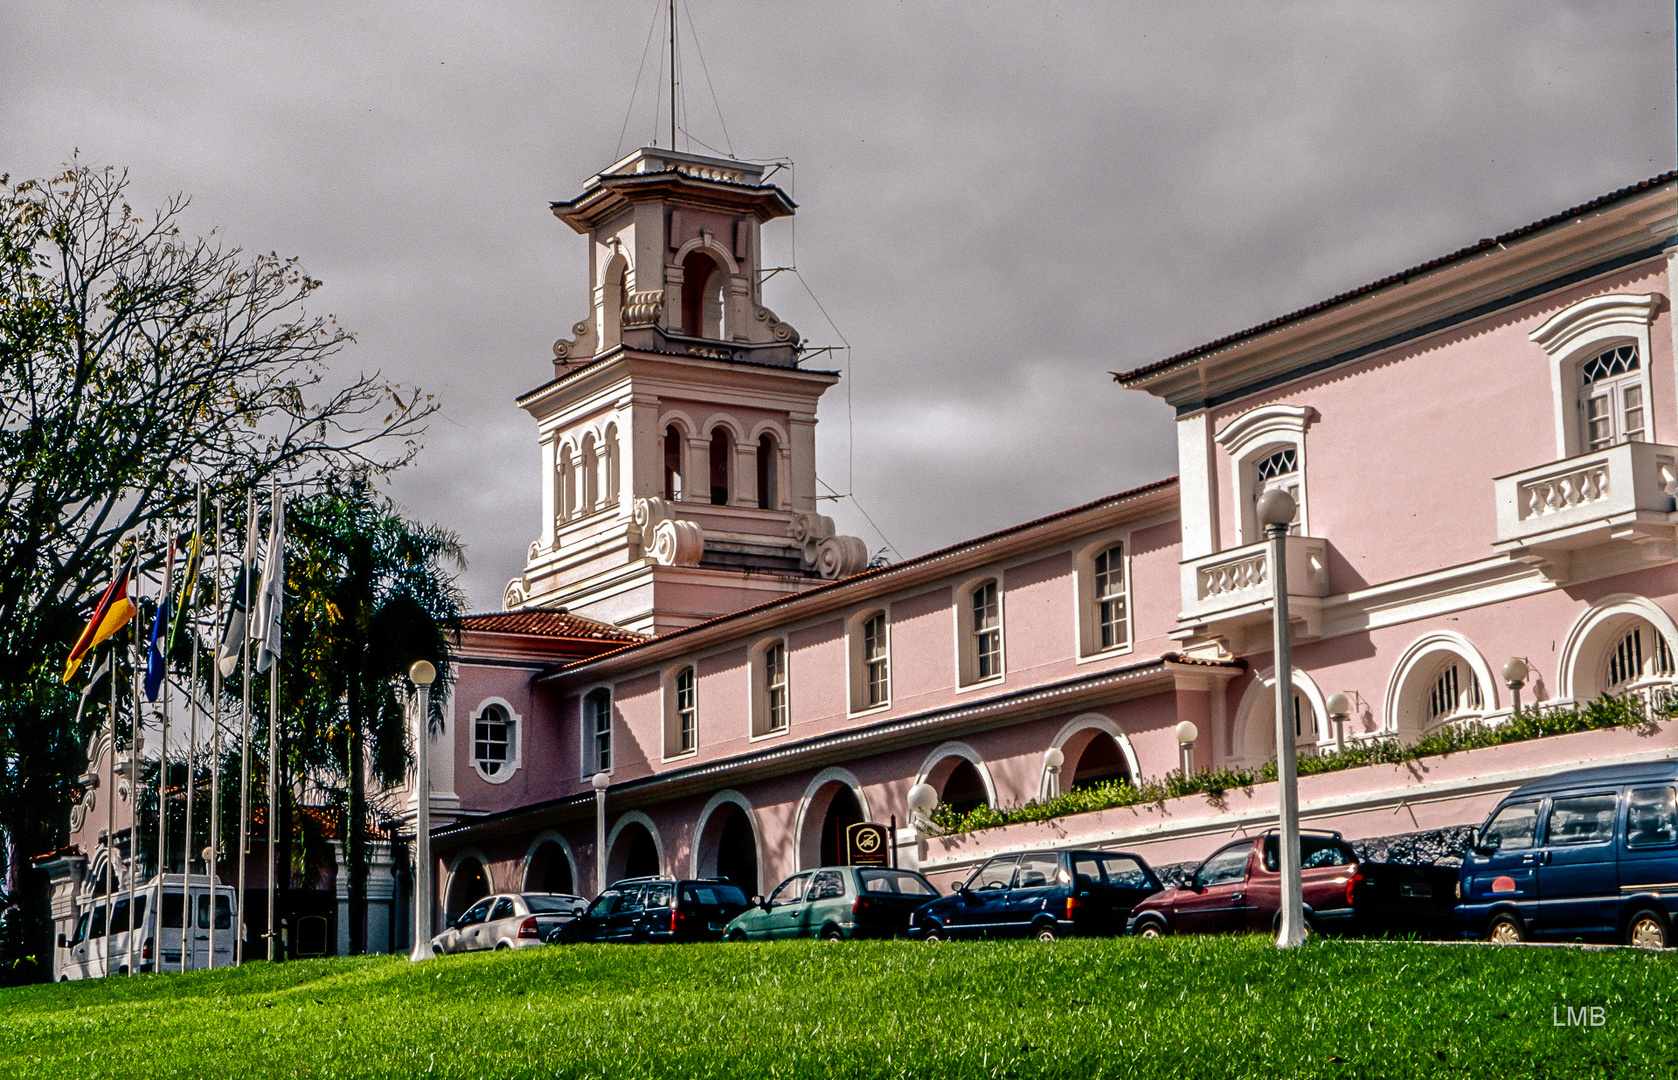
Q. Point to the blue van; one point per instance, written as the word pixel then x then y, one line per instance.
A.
pixel 1589 853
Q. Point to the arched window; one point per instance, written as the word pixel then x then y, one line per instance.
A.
pixel 673 462
pixel 1639 656
pixel 1611 397
pixel 610 451
pixel 681 713
pixel 701 296
pixel 722 454
pixel 1454 691
pixel 1279 471
pixel 767 467
pixel 964 790
pixel 597 728
pixel 591 475
pixel 567 484
pixel 494 742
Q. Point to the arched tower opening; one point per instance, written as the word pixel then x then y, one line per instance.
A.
pixel 722 457
pixel 702 281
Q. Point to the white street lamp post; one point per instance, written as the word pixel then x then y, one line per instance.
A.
pixel 1053 759
pixel 422 674
pixel 1339 711
pixel 1515 672
pixel 1275 512
pixel 601 780
pixel 1187 733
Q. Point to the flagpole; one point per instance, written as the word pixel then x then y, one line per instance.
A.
pixel 162 814
pixel 215 722
pixel 192 710
pixel 244 726
pixel 274 528
pixel 133 787
pixel 111 797
pixel 192 775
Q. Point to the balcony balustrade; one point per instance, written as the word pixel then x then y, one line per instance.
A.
pixel 1228 592
pixel 1552 513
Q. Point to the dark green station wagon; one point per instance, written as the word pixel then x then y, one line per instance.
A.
pixel 835 903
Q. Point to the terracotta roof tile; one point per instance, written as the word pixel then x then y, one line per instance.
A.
pixel 543 622
pixel 1391 279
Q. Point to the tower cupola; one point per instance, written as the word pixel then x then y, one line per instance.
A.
pixel 675 243
pixel 678 431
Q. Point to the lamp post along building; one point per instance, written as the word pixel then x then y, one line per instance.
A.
pixel 1483 452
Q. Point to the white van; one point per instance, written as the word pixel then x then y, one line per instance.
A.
pixel 99 945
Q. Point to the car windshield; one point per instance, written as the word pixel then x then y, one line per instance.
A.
pixel 1514 827
pixel 551 903
pixel 603 903
pixel 996 874
pixel 906 882
pixel 713 895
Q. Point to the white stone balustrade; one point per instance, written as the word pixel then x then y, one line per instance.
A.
pixel 1235 584
pixel 1589 499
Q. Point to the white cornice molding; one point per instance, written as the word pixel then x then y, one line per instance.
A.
pixel 1262 423
pixel 1595 313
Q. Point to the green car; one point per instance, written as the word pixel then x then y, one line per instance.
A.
pixel 835 903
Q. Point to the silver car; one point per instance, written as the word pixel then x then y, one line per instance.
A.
pixel 507 921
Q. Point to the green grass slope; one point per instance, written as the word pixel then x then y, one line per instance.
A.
pixel 1189 1007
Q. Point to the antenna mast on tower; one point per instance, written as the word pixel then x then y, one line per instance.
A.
pixel 673 74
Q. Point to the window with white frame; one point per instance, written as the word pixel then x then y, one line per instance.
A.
pixel 1611 397
pixel 868 647
pixel 1111 611
pixel 984 640
pixel 1455 691
pixel 1266 448
pixel 771 688
pixel 682 713
pixel 597 728
pixel 1598 349
pixel 876 660
pixel 494 742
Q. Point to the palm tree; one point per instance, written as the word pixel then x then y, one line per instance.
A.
pixel 368 594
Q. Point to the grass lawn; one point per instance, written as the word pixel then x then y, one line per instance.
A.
pixel 1185 1007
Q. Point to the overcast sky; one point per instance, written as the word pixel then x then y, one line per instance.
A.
pixel 999 203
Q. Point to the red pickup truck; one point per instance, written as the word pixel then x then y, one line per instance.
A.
pixel 1239 889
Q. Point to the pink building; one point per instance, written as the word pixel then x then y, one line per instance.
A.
pixel 1481 448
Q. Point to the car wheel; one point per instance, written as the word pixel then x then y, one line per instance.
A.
pixel 1505 930
pixel 833 933
pixel 501 945
pixel 933 936
pixel 1647 930
pixel 737 935
pixel 1045 932
pixel 436 950
pixel 1152 930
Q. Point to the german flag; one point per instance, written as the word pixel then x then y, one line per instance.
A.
pixel 112 614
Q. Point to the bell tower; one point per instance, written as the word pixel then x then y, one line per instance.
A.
pixel 678 431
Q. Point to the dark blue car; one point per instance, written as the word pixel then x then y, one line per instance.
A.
pixel 1585 854
pixel 1040 894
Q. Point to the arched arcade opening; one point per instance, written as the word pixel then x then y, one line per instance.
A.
pixel 633 853
pixel 549 870
pixel 468 884
pixel 726 847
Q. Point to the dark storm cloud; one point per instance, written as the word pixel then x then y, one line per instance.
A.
pixel 999 203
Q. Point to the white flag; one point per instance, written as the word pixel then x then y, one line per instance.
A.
pixel 271 600
pixel 233 636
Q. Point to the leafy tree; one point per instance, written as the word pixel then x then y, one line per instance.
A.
pixel 132 359
pixel 368 595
